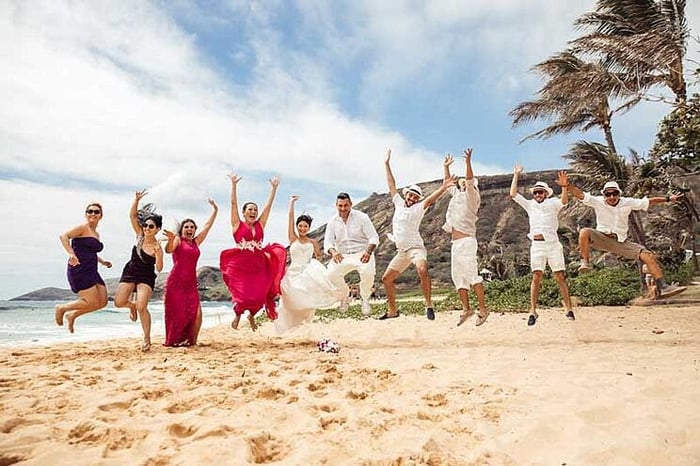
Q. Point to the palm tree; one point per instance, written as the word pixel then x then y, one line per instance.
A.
pixel 643 39
pixel 576 95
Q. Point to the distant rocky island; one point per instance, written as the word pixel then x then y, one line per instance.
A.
pixel 501 233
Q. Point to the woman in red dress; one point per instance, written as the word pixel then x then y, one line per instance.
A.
pixel 183 311
pixel 252 272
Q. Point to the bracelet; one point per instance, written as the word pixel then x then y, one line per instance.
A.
pixel 668 198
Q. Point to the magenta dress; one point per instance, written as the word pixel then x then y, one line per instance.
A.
pixel 252 272
pixel 181 295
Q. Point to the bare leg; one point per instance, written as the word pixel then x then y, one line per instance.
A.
pixel 467 312
pixel 535 285
pixel 89 300
pixel 425 284
pixel 197 326
pixel 143 294
pixel 236 320
pixel 251 320
pixel 390 289
pixel 584 244
pixel 481 300
pixel 564 289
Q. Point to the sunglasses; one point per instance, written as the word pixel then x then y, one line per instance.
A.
pixel 150 226
pixel 611 193
pixel 539 191
pixel 93 211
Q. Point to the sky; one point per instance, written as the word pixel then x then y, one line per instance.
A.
pixel 104 98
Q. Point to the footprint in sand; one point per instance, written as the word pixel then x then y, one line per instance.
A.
pixel 265 448
pixel 180 431
pixel 117 405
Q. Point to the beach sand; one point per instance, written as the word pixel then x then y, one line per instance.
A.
pixel 619 386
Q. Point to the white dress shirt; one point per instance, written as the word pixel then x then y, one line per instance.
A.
pixel 405 224
pixel 543 216
pixel 462 210
pixel 352 236
pixel 615 219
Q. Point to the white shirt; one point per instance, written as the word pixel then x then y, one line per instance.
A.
pixel 543 216
pixel 352 236
pixel 615 219
pixel 406 224
pixel 462 209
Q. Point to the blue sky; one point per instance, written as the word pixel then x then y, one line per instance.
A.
pixel 101 98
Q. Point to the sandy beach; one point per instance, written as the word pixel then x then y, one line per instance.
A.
pixel 618 386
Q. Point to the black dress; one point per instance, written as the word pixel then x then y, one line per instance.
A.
pixel 140 269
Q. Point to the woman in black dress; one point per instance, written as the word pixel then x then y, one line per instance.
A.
pixel 139 273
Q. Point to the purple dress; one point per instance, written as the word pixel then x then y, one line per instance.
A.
pixel 84 275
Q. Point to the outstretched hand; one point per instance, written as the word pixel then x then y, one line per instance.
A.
pixel 562 179
pixel 387 156
pixel 275 181
pixel 467 154
pixel 293 198
pixel 234 178
pixel 448 160
pixel 141 194
pixel 212 203
pixel 518 169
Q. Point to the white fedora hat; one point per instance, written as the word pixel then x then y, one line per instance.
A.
pixel 611 185
pixel 542 185
pixel 415 189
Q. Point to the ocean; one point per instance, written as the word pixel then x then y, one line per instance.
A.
pixel 25 323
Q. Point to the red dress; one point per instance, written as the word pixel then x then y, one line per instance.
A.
pixel 252 272
pixel 181 295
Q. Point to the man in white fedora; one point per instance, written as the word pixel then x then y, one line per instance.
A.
pixel 612 212
pixel 543 214
pixel 409 211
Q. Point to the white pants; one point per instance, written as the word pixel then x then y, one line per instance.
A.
pixel 465 267
pixel 337 272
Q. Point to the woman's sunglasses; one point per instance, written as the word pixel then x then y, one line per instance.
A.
pixel 150 226
pixel 93 211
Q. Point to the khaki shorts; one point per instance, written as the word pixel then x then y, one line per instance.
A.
pixel 603 242
pixel 403 259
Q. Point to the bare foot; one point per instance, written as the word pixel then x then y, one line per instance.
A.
pixel 251 319
pixel 70 317
pixel 236 320
pixel 145 346
pixel 132 312
pixel 58 314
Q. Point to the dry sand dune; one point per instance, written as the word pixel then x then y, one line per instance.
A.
pixel 618 386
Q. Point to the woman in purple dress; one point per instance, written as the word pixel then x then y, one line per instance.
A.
pixel 82 243
pixel 183 311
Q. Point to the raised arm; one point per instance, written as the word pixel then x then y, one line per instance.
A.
pixel 274 184
pixel 446 165
pixel 134 212
pixel 390 181
pixel 563 181
pixel 517 170
pixel 664 199
pixel 235 217
pixel 578 194
pixel 468 162
pixel 173 241
pixel 202 235
pixel 435 195
pixel 291 233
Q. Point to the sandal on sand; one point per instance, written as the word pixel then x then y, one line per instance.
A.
pixel 481 318
pixel 532 320
pixel 464 316
pixel 386 316
pixel 570 315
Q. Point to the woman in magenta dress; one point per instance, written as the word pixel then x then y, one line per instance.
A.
pixel 183 311
pixel 252 272
pixel 82 243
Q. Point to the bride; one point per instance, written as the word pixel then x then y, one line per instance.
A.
pixel 305 286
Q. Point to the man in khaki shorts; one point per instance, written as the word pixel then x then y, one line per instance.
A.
pixel 612 213
pixel 408 214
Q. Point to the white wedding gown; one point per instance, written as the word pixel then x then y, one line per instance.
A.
pixel 305 288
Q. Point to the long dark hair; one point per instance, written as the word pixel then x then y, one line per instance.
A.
pixel 145 213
